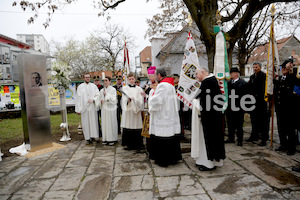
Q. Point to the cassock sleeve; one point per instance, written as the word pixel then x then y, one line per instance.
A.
pixel 101 97
pixel 124 100
pixel 156 101
pixel 78 101
pixel 97 98
pixel 111 95
pixel 139 100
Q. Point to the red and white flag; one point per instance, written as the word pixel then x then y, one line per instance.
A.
pixel 126 69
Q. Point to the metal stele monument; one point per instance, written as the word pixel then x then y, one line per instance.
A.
pixel 34 101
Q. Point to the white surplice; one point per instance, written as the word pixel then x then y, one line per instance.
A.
pixel 198 148
pixel 109 122
pixel 163 109
pixel 88 111
pixel 131 112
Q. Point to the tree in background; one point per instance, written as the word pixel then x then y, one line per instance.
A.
pixel 101 51
pixel 238 14
pixel 174 16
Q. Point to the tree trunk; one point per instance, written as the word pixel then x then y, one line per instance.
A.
pixel 210 58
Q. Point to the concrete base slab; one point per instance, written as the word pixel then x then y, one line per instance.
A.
pixel 234 187
pixel 11 182
pixel 8 164
pixel 51 168
pixel 145 195
pixel 131 183
pixel 81 158
pixel 178 169
pixel 59 195
pixel 34 189
pixel 95 187
pixel 132 169
pixel 69 179
pixel 193 197
pixel 273 175
pixel 101 165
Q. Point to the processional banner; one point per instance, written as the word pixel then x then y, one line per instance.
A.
pixel 188 86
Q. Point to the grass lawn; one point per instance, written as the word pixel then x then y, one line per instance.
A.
pixel 11 131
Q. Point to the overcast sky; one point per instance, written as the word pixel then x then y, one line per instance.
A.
pixel 79 20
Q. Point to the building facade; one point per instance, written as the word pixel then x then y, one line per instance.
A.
pixel 287 47
pixel 145 60
pixel 37 41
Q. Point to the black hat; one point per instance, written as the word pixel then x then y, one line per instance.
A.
pixel 138 80
pixel 119 78
pixel 175 75
pixel 286 62
pixel 234 69
pixel 96 77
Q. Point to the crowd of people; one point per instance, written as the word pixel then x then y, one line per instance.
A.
pixel 107 111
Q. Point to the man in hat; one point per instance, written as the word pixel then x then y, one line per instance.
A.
pixel 260 115
pixel 87 94
pixel 108 105
pixel 164 126
pixel 285 104
pixel 99 86
pixel 234 112
pixel 132 105
pixel 137 82
pixel 118 86
pixel 152 80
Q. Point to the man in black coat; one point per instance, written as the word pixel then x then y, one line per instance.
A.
pixel 119 86
pixel 285 104
pixel 211 116
pixel 234 112
pixel 260 115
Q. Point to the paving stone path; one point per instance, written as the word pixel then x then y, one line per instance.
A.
pixel 87 172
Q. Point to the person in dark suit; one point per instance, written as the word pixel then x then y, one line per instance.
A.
pixel 119 86
pixel 99 86
pixel 260 115
pixel 234 113
pixel 285 104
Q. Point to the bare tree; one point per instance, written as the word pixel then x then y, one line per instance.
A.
pixel 102 50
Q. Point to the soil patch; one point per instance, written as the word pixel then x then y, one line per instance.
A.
pixel 281 175
pixel 228 186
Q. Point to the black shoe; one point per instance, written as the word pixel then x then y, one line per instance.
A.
pixel 203 168
pixel 280 148
pixel 290 153
pixel 240 144
pixel 262 144
pixel 296 169
pixel 229 141
pixel 251 139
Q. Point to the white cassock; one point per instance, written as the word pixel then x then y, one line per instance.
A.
pixel 109 122
pixel 198 148
pixel 88 111
pixel 163 109
pixel 131 112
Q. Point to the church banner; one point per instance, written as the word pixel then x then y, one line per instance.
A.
pixel 188 86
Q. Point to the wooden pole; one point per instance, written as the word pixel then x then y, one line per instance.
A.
pixel 273 73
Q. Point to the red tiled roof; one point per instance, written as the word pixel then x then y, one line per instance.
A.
pixel 261 52
pixel 14 42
